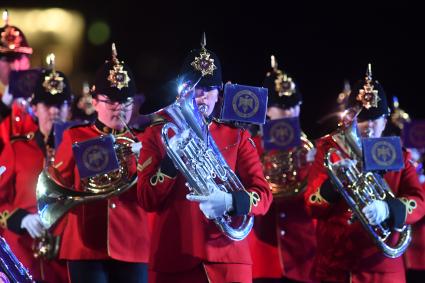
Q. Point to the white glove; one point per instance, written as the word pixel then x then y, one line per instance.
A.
pixel 2 170
pixel 136 147
pixel 7 97
pixel 376 212
pixel 311 154
pixel 32 223
pixel 215 204
pixel 421 178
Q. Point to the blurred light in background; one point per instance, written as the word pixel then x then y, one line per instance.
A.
pixel 98 32
pixel 51 30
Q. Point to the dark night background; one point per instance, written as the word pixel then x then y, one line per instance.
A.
pixel 318 45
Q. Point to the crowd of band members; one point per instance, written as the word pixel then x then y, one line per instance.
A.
pixel 158 228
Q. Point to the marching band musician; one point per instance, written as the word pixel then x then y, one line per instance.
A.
pixel 283 242
pixel 345 252
pixel 415 256
pixel 105 240
pixel 82 108
pixel 26 156
pixel 14 56
pixel 399 122
pixel 186 244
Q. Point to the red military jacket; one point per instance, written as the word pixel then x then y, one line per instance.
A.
pixel 183 237
pixel 344 247
pixel 283 242
pixel 415 254
pixel 19 123
pixel 24 160
pixel 116 228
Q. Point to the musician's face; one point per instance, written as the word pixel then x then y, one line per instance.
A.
pixel 206 97
pixel 48 114
pixel 372 128
pixel 6 66
pixel 275 112
pixel 109 112
pixel 20 64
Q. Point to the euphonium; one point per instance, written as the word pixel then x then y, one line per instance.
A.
pixel 197 157
pixel 54 199
pixel 47 246
pixel 11 269
pixel 360 188
pixel 116 179
pixel 281 169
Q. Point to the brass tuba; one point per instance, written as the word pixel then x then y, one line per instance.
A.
pixel 281 169
pixel 54 199
pixel 360 188
pixel 197 157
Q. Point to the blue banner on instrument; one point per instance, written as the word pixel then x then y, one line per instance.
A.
pixel 22 83
pixel 243 103
pixel 60 127
pixel 95 156
pixel 281 134
pixel 413 134
pixel 382 154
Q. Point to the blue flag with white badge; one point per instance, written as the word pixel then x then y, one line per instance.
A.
pixel 383 153
pixel 95 156
pixel 247 104
pixel 413 134
pixel 22 83
pixel 60 127
pixel 281 134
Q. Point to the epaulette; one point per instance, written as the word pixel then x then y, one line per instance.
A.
pixel 83 124
pixel 156 120
pixel 324 141
pixel 26 137
pixel 233 124
pixel 140 128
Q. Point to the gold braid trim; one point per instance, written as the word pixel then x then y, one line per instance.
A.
pixel 410 204
pixel 317 197
pixel 3 218
pixel 159 177
pixel 56 166
pixel 141 167
pixel 254 199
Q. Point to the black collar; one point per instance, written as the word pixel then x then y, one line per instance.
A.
pixel 39 139
pixel 105 129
